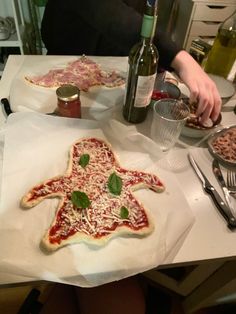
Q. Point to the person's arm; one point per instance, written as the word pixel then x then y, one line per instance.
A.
pixel 202 89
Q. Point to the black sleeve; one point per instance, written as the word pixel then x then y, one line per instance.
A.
pixel 119 22
pixel 113 18
pixel 167 49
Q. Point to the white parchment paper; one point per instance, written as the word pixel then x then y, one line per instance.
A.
pixel 36 148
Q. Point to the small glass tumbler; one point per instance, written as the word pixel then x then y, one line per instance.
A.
pixel 169 116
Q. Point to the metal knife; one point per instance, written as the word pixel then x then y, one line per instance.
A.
pixel 209 188
pixel 7 108
pixel 218 174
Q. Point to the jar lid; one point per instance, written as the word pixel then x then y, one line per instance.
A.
pixel 68 92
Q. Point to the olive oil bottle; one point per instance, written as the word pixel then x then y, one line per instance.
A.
pixel 223 53
pixel 142 68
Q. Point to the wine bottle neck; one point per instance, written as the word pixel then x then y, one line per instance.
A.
pixel 148 26
pixel 147 41
pixel 149 19
pixel 229 23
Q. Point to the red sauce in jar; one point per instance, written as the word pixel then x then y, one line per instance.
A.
pixel 68 101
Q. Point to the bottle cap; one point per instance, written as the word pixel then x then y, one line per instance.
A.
pixel 68 92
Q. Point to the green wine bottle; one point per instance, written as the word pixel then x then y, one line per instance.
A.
pixel 143 61
pixel 223 53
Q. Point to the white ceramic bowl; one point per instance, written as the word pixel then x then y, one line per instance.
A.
pixel 226 88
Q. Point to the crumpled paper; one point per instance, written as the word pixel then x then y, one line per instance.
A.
pixel 36 148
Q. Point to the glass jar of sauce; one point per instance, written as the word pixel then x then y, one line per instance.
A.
pixel 68 101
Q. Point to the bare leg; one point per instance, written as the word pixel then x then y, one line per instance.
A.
pixel 62 300
pixel 125 296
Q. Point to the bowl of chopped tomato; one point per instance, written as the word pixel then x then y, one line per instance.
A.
pixel 164 89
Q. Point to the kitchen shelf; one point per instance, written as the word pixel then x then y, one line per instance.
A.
pixel 200 19
pixel 12 41
pixel 13 8
pixel 16 39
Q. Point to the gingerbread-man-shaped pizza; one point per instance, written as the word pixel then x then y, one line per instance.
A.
pixel 96 200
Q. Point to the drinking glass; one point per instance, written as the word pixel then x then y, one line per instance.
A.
pixel 169 116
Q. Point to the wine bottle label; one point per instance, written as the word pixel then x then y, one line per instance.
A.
pixel 144 90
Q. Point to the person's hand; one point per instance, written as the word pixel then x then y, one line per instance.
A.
pixel 202 89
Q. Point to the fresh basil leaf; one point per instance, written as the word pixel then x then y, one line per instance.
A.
pixel 80 199
pixel 84 160
pixel 124 212
pixel 114 184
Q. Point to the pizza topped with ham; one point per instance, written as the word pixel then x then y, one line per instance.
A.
pixel 83 73
pixel 96 200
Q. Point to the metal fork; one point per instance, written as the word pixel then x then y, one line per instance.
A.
pixel 231 182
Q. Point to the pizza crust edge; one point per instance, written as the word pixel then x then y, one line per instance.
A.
pixel 80 237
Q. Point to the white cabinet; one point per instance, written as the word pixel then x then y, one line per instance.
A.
pixel 13 8
pixel 200 19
